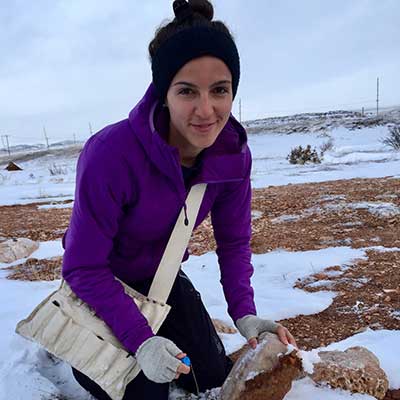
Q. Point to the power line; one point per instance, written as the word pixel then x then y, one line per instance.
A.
pixel 8 144
pixel 46 138
pixel 377 96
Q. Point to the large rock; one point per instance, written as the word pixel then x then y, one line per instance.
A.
pixel 266 372
pixel 14 249
pixel 356 369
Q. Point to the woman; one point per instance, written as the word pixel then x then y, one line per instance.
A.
pixel 132 181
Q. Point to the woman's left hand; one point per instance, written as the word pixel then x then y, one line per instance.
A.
pixel 252 326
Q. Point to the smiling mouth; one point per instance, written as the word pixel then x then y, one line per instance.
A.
pixel 203 127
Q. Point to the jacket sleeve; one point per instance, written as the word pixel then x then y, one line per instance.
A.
pixel 231 220
pixel 103 186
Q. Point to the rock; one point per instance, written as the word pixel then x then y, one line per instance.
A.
pixel 266 372
pixel 393 395
pixel 356 369
pixel 222 327
pixel 14 249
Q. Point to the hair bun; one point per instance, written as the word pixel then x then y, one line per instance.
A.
pixel 182 9
pixel 202 7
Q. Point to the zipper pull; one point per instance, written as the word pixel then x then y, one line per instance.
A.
pixel 186 222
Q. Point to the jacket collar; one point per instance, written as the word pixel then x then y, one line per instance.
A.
pixel 224 161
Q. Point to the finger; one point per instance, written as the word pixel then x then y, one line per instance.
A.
pixel 253 342
pixel 292 341
pixel 183 369
pixel 282 336
pixel 181 355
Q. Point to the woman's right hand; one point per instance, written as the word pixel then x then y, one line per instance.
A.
pixel 159 359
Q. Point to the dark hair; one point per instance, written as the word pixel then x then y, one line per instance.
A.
pixel 203 13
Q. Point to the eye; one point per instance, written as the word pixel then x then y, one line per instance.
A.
pixel 221 90
pixel 186 91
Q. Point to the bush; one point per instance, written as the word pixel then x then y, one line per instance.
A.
pixel 326 146
pixel 393 140
pixel 298 155
pixel 57 170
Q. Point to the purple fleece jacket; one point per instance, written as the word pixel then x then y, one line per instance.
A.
pixel 129 192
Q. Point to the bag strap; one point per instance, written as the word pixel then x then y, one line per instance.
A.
pixel 177 244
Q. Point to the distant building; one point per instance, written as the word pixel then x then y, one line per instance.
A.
pixel 13 167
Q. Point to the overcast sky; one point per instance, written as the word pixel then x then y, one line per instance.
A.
pixel 65 63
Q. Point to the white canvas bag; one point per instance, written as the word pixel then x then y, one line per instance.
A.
pixel 69 329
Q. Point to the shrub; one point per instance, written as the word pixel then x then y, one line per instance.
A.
pixel 326 146
pixel 298 155
pixel 57 170
pixel 393 140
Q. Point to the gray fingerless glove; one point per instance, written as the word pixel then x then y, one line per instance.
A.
pixel 156 357
pixel 251 326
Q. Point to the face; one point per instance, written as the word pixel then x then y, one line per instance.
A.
pixel 199 100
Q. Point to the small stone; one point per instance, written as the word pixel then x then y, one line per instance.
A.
pixel 387 299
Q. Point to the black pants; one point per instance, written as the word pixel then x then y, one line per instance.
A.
pixel 189 326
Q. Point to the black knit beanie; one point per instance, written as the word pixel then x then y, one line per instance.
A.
pixel 190 43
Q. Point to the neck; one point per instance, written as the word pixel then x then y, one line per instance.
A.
pixel 188 161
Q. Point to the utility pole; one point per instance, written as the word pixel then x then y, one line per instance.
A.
pixel 74 138
pixel 90 129
pixel 240 110
pixel 377 96
pixel 45 136
pixel 8 144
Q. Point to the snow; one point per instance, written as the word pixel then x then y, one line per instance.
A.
pixel 35 183
pixel 49 206
pixel 306 389
pixel 355 154
pixel 378 209
pixel 27 372
pixel 308 359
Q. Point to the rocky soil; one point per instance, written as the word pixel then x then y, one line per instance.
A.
pixel 358 213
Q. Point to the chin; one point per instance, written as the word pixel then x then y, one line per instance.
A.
pixel 205 143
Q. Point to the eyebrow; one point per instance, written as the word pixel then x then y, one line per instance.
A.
pixel 194 86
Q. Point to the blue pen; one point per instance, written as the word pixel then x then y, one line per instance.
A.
pixel 186 361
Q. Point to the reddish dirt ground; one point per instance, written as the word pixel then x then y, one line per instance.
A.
pixel 296 218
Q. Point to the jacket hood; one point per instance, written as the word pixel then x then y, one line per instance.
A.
pixel 226 160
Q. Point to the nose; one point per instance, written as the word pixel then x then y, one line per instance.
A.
pixel 204 107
